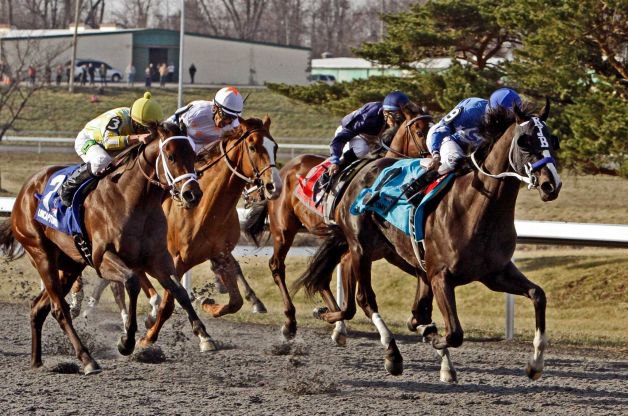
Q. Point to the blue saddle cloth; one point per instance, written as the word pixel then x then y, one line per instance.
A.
pixel 390 202
pixel 52 213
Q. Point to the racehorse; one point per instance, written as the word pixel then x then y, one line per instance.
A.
pixel 469 236
pixel 127 229
pixel 287 215
pixel 212 230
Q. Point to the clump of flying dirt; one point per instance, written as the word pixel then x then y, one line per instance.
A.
pixel 304 383
pixel 287 348
pixel 65 368
pixel 149 355
pixel 54 341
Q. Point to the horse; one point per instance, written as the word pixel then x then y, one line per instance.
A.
pixel 469 236
pixel 245 158
pixel 127 229
pixel 212 230
pixel 287 215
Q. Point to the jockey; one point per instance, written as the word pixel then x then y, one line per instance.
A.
pixel 363 126
pixel 459 131
pixel 207 121
pixel 109 132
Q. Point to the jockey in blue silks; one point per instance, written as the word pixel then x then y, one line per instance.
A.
pixel 458 132
pixel 362 127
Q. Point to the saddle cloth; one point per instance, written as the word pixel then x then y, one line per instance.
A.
pixel 304 191
pixel 52 213
pixel 386 196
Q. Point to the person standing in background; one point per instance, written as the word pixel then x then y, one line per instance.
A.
pixel 148 73
pixel 58 74
pixel 192 73
pixel 171 69
pixel 130 74
pixel 103 74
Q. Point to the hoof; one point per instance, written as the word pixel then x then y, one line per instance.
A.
pixel 448 377
pixel 144 343
pixel 410 324
pixel 92 368
pixel 208 345
pixel 287 333
pixel 125 349
pixel 394 368
pixel 149 321
pixel 533 373
pixel 220 288
pixel 258 307
pixel 319 312
pixel 339 338
pixel 75 312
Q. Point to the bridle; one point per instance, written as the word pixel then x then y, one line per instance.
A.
pixel 171 180
pixel 529 168
pixel 409 133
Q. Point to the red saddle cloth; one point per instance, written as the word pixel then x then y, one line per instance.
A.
pixel 305 190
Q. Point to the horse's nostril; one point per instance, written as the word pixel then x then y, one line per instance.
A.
pixel 270 187
pixel 547 187
pixel 188 196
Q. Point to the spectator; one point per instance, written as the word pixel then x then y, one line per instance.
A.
pixel 47 75
pixel 148 72
pixel 68 72
pixel 31 72
pixel 84 73
pixel 192 73
pixel 171 69
pixel 58 74
pixel 130 74
pixel 103 74
pixel 163 74
pixel 91 70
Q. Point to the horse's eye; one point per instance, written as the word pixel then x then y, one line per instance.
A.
pixel 252 149
pixel 171 157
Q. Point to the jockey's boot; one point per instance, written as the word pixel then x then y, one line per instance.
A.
pixel 415 191
pixel 346 159
pixel 73 182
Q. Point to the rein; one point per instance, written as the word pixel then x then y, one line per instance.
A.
pixel 412 136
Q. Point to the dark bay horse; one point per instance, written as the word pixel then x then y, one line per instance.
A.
pixel 287 215
pixel 469 236
pixel 127 229
pixel 212 230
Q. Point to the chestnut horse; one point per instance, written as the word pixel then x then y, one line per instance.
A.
pixel 212 230
pixel 469 236
pixel 127 229
pixel 287 215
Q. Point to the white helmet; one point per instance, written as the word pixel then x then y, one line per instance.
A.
pixel 230 101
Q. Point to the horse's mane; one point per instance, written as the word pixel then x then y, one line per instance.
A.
pixel 495 123
pixel 211 150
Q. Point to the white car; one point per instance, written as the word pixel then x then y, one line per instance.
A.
pixel 113 75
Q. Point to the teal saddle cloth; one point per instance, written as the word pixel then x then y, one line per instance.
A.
pixel 386 196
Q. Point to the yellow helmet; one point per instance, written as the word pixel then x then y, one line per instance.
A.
pixel 145 110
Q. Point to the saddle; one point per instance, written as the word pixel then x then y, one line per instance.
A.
pixel 337 186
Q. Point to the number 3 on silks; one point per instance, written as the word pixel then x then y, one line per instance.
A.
pixel 56 182
pixel 114 124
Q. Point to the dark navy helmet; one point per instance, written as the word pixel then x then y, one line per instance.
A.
pixel 394 101
pixel 504 97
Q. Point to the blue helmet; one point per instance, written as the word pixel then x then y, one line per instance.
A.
pixel 504 97
pixel 395 100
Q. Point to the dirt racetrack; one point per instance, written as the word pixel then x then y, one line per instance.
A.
pixel 254 373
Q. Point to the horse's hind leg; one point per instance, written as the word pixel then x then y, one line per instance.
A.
pixel 333 313
pixel 225 268
pixel 117 289
pixel 511 280
pixel 249 294
pixel 76 297
pixel 94 299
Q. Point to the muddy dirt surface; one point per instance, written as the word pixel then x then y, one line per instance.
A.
pixel 255 372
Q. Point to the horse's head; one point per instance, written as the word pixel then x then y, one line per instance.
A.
pixel 409 139
pixel 175 163
pixel 533 150
pixel 258 164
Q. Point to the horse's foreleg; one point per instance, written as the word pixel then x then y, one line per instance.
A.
pixel 40 308
pixel 249 294
pixel 333 313
pixel 153 299
pixel 282 242
pixel 162 269
pixel 94 299
pixel 117 290
pixel 511 280
pixel 225 268
pixel 113 268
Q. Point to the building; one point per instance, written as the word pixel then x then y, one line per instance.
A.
pixel 218 60
pixel 348 69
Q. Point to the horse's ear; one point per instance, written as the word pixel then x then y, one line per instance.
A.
pixel 545 110
pixel 266 122
pixel 520 115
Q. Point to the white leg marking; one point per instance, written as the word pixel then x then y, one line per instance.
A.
pixel 384 332
pixel 154 301
pixel 539 347
pixel 447 371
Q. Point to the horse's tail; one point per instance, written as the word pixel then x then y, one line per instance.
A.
pixel 256 221
pixel 318 273
pixel 9 247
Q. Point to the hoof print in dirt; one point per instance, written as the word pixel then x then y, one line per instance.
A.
pixel 280 349
pixel 149 355
pixel 66 368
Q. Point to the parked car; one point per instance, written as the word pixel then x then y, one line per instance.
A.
pixel 113 75
pixel 325 78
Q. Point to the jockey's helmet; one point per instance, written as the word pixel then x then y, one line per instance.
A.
pixel 394 101
pixel 504 97
pixel 230 101
pixel 146 110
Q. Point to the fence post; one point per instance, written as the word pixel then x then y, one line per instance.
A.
pixel 510 316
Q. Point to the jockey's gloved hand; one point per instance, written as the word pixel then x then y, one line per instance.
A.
pixel 139 138
pixel 435 163
pixel 333 169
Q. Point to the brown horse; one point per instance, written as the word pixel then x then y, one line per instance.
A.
pixel 470 236
pixel 127 229
pixel 212 230
pixel 287 215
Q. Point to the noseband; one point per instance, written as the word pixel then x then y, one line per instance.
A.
pixel 410 133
